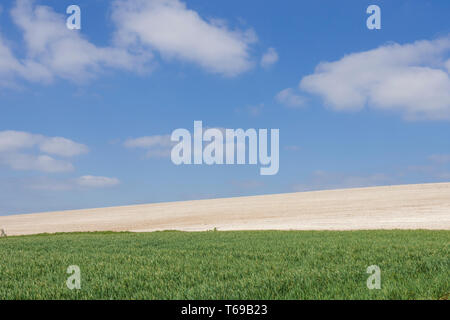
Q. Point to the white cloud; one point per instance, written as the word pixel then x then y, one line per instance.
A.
pixel 14 144
pixel 160 146
pixel 148 141
pixel 8 63
pixel 14 140
pixel 269 58
pixel 157 146
pixel 12 68
pixel 55 51
pixel 412 79
pixel 45 163
pixel 141 27
pixel 175 31
pixel 290 99
pixel 96 182
pixel 62 147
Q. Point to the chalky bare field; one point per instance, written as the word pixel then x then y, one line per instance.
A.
pixel 425 206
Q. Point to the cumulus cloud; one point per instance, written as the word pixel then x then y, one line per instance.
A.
pixel 269 58
pixel 26 151
pixel 160 146
pixel 53 51
pixel 141 28
pixel 96 182
pixel 157 146
pixel 412 79
pixel 8 63
pixel 289 98
pixel 14 140
pixel 12 68
pixel 175 31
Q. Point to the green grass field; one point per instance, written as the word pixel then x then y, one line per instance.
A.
pixel 227 265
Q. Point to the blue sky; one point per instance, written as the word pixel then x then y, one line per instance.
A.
pixel 355 107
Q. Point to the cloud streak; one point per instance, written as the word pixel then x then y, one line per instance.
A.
pixel 96 182
pixel 157 146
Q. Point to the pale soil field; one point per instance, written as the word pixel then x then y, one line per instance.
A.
pixel 425 206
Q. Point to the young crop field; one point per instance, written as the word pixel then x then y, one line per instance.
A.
pixel 227 265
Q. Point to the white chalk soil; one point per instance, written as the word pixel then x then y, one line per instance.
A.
pixel 424 206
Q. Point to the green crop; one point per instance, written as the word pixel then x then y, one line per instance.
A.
pixel 227 265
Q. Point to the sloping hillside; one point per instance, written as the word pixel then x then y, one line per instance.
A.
pixel 425 206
